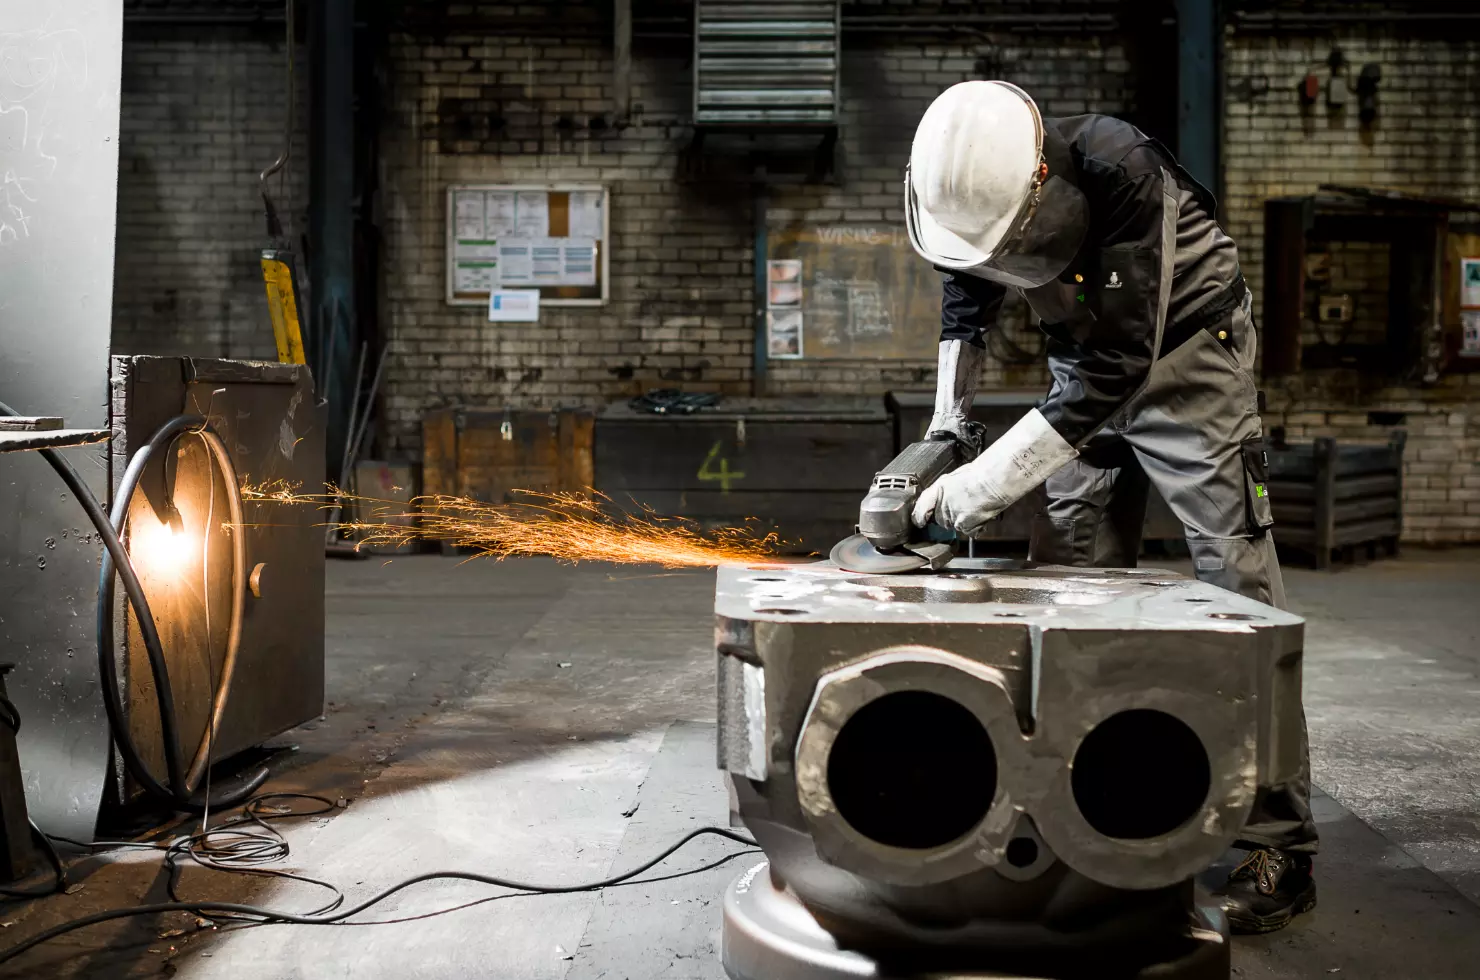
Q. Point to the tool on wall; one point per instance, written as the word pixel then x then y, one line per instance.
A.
pixel 277 259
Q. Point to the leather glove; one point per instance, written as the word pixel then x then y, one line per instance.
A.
pixel 959 371
pixel 1010 468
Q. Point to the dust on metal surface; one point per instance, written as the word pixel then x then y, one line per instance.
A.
pixel 986 590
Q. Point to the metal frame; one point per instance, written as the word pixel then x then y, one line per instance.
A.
pixel 602 246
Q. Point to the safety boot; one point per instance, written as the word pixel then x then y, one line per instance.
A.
pixel 1268 889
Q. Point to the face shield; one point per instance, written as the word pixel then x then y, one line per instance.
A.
pixel 1042 238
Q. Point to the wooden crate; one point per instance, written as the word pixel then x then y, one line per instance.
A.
pixel 797 467
pixel 1331 498
pixel 487 454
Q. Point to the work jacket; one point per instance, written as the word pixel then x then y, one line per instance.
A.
pixel 1153 264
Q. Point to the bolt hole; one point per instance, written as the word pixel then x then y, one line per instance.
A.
pixel 1022 852
pixel 1241 617
pixel 1197 600
pixel 783 612
pixel 783 580
pixel 1010 615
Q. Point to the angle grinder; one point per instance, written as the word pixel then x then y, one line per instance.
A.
pixel 888 542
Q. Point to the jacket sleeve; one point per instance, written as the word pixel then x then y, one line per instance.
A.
pixel 969 308
pixel 1113 358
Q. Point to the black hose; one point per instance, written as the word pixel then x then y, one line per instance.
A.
pixel 175 794
pixel 179 787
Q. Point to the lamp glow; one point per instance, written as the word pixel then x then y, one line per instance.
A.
pixel 161 548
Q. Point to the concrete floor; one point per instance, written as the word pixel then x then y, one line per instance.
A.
pixel 556 724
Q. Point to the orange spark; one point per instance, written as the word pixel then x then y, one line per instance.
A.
pixel 566 526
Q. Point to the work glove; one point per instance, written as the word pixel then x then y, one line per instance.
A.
pixel 1010 468
pixel 959 371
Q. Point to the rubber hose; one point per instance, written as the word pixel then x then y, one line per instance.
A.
pixel 175 795
pixel 196 425
pixel 182 784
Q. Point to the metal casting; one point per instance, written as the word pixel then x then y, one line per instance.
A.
pixel 995 767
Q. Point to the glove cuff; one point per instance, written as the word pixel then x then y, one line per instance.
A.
pixel 1026 455
pixel 959 374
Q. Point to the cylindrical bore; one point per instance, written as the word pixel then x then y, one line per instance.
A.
pixel 912 769
pixel 1140 774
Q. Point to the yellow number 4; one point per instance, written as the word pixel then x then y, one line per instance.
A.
pixel 723 475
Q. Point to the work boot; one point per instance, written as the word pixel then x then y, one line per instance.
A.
pixel 1267 890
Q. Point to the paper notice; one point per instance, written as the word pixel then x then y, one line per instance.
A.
pixel 482 250
pixel 468 219
pixel 514 305
pixel 1470 320
pixel 531 214
pixel 782 294
pixel 784 270
pixel 578 261
pixel 474 277
pixel 499 208
pixel 546 263
pixel 784 334
pixel 515 266
pixel 1469 283
pixel 585 214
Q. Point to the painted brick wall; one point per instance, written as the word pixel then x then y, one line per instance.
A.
pixel 201 117
pixel 681 264
pixel 1425 141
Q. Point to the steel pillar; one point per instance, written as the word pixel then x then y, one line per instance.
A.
pixel 1199 39
pixel 335 326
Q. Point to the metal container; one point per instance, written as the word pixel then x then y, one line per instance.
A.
pixel 996 767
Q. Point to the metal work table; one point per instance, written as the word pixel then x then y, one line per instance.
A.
pixel 19 441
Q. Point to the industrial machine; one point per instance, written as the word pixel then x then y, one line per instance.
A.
pixel 235 585
pixel 992 769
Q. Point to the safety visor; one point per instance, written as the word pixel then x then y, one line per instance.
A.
pixel 1043 239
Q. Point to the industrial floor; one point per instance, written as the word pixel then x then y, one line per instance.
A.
pixel 555 724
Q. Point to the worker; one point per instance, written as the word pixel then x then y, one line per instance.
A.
pixel 1150 342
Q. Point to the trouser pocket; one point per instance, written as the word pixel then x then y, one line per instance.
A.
pixel 1259 514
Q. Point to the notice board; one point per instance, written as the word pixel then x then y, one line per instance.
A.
pixel 550 237
pixel 863 294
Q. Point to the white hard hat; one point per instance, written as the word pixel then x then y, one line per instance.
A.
pixel 975 164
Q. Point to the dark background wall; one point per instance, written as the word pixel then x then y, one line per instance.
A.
pixel 202 114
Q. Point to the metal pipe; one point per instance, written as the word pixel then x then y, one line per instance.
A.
pixel 761 333
pixel 622 59
pixel 1198 43
pixel 1294 19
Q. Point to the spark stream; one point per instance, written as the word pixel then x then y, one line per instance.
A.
pixel 566 526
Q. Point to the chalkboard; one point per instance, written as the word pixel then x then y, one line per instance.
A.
pixel 865 294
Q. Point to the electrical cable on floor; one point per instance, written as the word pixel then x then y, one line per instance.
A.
pixel 263 916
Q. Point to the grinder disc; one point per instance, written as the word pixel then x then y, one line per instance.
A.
pixel 857 553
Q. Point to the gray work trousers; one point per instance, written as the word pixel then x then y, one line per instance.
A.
pixel 1187 433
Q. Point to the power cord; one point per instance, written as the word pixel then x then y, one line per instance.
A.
pixel 258 915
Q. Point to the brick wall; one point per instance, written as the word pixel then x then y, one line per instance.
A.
pixel 681 263
pixel 1426 140
pixel 201 117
